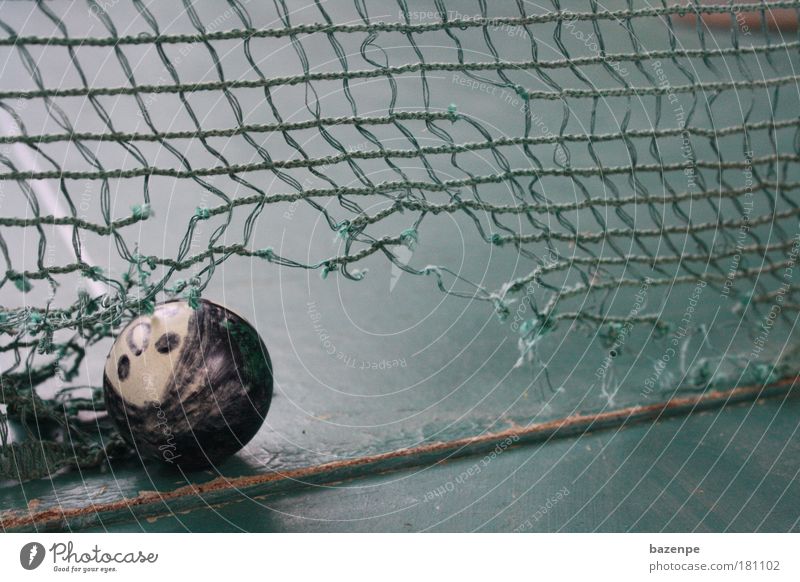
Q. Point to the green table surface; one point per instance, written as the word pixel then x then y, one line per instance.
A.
pixel 388 390
pixel 728 468
pixel 732 470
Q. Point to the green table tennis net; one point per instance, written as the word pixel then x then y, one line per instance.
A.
pixel 617 148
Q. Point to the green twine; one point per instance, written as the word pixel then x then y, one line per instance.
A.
pixel 21 282
pixel 192 296
pixel 410 237
pixel 141 211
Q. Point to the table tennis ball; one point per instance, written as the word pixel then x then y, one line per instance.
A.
pixel 188 386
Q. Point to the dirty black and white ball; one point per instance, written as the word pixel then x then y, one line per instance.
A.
pixel 188 386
